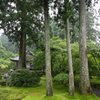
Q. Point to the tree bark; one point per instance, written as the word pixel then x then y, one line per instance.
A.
pixel 71 75
pixel 49 91
pixel 22 52
pixel 22 49
pixel 84 74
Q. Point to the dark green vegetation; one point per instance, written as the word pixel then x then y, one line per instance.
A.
pixel 62 77
pixel 24 78
pixel 59 57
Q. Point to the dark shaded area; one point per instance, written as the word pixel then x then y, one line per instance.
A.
pixel 96 91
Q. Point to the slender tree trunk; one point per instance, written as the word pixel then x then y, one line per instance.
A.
pixel 84 74
pixel 49 91
pixel 71 75
pixel 22 52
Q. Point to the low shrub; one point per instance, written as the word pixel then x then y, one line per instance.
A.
pixel 39 73
pixel 62 77
pixel 24 78
pixel 2 82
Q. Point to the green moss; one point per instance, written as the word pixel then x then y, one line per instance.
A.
pixel 39 92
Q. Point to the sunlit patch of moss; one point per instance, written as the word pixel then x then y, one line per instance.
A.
pixel 89 97
pixel 55 97
pixel 11 94
pixel 43 97
pixel 17 96
pixel 75 96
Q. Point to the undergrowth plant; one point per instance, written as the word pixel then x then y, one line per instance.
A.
pixel 23 78
pixel 62 77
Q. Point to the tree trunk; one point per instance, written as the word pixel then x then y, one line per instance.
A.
pixel 22 48
pixel 71 75
pixel 22 52
pixel 49 91
pixel 84 74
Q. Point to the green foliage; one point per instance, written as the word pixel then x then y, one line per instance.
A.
pixel 8 45
pixel 5 54
pixel 58 56
pixel 93 48
pixel 93 58
pixel 75 57
pixel 39 73
pixel 6 63
pixel 65 10
pixel 24 78
pixel 5 57
pixel 2 82
pixel 95 81
pixel 62 77
pixel 56 31
pixel 39 60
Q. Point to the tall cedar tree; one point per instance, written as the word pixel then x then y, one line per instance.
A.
pixel 64 13
pixel 84 74
pixel 18 21
pixel 74 20
pixel 45 4
pixel 14 27
pixel 49 91
pixel 71 74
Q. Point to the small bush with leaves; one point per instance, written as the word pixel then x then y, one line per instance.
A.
pixel 24 78
pixel 62 77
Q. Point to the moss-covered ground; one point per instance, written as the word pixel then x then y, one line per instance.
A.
pixel 38 93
